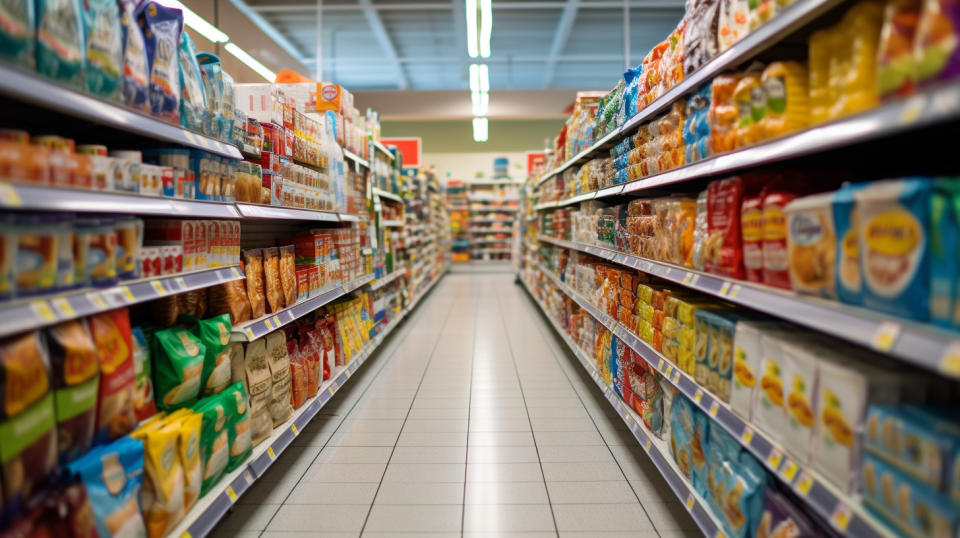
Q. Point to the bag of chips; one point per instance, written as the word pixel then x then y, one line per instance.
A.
pixel 229 298
pixel 288 274
pixel 279 362
pixel 162 496
pixel 161 28
pixel 134 83
pixel 17 34
pixel 214 440
pixel 179 360
pixel 214 333
pixel 112 476
pixel 271 279
pixel 104 48
pixel 60 44
pixel 189 425
pixel 193 102
pixel 75 367
pixel 253 269
pixel 241 442
pixel 143 405
pixel 111 334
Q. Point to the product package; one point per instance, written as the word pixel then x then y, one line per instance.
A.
pixel 193 100
pixel 112 477
pixel 259 388
pixel 241 442
pixel 811 245
pixel 134 84
pixel 288 274
pixel 253 269
pixel 104 48
pixel 213 88
pixel 17 35
pixel 214 333
pixel 161 28
pixel 214 440
pixel 115 411
pixel 61 48
pixel 143 404
pixel 162 494
pixel 189 426
pixel 179 362
pixel 271 279
pixel 279 363
pixel 75 367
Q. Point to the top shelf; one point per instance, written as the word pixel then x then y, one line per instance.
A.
pixel 388 195
pixel 757 41
pixel 356 158
pixel 30 88
pixel 383 149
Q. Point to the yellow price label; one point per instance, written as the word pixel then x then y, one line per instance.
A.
pixel 774 458
pixel 97 301
pixel 190 137
pixel 747 435
pixel 236 272
pixel 249 333
pixel 271 453
pixel 686 279
pixel 42 310
pixel 186 535
pixel 912 110
pixel 698 395
pixel 646 446
pixel 293 428
pixel 62 305
pixel 660 365
pixel 886 335
pixel 725 288
pixel 841 517
pixel 127 294
pixel 734 291
pixel 690 501
pixel 181 282
pixel 9 197
pixel 331 391
pixel 669 371
pixel 276 321
pixel 950 360
pixel 268 323
pixel 789 470
pixel 804 483
pixel 158 287
pixel 232 495
pixel 676 376
pixel 714 408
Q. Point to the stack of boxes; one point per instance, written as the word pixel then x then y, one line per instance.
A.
pixel 176 245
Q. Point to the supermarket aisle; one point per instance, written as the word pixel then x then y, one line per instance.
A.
pixel 472 422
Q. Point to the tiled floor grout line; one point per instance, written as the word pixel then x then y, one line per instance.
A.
pixel 536 448
pixel 466 452
pixel 426 368
pixel 544 328
pixel 388 355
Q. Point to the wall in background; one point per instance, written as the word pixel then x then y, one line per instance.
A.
pixel 466 166
pixel 456 136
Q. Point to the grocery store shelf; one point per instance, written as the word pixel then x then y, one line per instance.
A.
pixel 809 485
pixel 491 198
pixel 257 211
pixel 33 89
pixel 494 181
pixel 656 450
pixel 481 230
pixel 915 343
pixel 348 218
pixel 356 158
pixel 490 221
pixel 757 41
pixel 482 240
pixel 492 209
pixel 379 283
pixel 383 149
pixel 393 223
pixel 251 330
pixel 491 250
pixel 388 195
pixel 210 509
pixel 34 312
pixel 545 205
pixel 39 198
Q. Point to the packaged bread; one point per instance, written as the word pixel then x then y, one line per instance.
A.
pixel 214 333
pixel 259 389
pixel 161 497
pixel 75 368
pixel 279 362
pixel 288 274
pixel 253 269
pixel 271 279
pixel 111 334
pixel 229 298
pixel 179 359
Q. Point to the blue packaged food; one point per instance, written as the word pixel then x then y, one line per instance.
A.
pixel 696 126
pixel 60 46
pixel 847 226
pixel 16 32
pixel 944 252
pixel 213 87
pixel 161 27
pixel 134 82
pixel 104 48
pixel 894 246
pixel 112 475
pixel 193 101
pixel 226 107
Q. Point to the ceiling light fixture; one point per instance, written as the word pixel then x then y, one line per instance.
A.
pixel 480 129
pixel 486 27
pixel 472 46
pixel 479 78
pixel 481 102
pixel 251 62
pixel 197 23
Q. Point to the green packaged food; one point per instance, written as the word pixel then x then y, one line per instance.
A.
pixel 178 361
pixel 214 440
pixel 104 48
pixel 16 32
pixel 214 333
pixel 60 48
pixel 241 443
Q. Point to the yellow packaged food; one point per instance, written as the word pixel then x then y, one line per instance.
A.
pixel 646 312
pixel 856 70
pixel 188 426
pixel 819 54
pixel 671 328
pixel 788 104
pixel 161 497
pixel 686 360
pixel 751 105
pixel 644 294
pixel 687 337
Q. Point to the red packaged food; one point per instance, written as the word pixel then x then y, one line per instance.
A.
pixel 751 225
pixel 115 413
pixel 776 270
pixel 723 251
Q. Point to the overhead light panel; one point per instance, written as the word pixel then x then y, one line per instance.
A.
pixel 472 43
pixel 486 27
pixel 251 62
pixel 481 102
pixel 479 78
pixel 480 129
pixel 197 23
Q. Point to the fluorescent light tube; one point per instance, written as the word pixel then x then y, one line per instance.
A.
pixel 472 47
pixel 486 27
pixel 484 76
pixel 481 101
pixel 197 23
pixel 251 62
pixel 480 129
pixel 474 78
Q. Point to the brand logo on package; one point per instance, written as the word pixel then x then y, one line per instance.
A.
pixel 329 93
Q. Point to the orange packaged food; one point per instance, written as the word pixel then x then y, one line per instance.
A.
pixel 253 269
pixel 271 279
pixel 723 113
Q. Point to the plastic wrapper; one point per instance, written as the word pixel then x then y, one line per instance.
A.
pixel 253 268
pixel 288 274
pixel 241 443
pixel 700 33
pixel 161 28
pixel 750 99
pixel 213 88
pixel 17 34
pixel 114 502
pixel 751 226
pixel 75 368
pixel 724 114
pixel 937 51
pixel 214 333
pixel 723 251
pixel 162 494
pixel 696 126
pixel 279 362
pixel 214 440
pixel 259 389
pixel 60 41
pixel 226 108
pixel 734 22
pixel 787 99
pixel 192 303
pixel 144 406
pixel 104 48
pixel 271 279
pixel 178 367
pixel 193 100
pixel 112 336
pixel 134 83
pixel 229 298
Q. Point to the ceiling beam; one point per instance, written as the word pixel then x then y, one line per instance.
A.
pixel 500 6
pixel 455 59
pixel 564 27
pixel 268 29
pixel 460 38
pixel 383 38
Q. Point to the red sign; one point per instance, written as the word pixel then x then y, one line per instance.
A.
pixel 535 159
pixel 410 147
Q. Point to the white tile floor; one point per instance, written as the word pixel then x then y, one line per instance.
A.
pixel 472 421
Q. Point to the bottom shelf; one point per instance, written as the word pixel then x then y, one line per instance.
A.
pixel 656 449
pixel 209 510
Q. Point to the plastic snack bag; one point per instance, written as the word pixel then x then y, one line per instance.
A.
pixel 111 334
pixel 161 27
pixel 241 443
pixel 226 108
pixel 17 33
pixel 188 424
pixel 271 278
pixel 178 360
pixel 936 51
pixel 213 88
pixel 60 44
pixel 143 404
pixel 214 440
pixel 193 100
pixel 162 496
pixel 214 333
pixel 253 268
pixel 135 82
pixel 279 363
pixel 75 368
pixel 229 298
pixel 288 274
pixel 104 48
pixel 112 476
pixel 259 387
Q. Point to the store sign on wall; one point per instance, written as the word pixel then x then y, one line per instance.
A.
pixel 535 159
pixel 410 147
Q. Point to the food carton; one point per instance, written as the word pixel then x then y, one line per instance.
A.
pixel 811 245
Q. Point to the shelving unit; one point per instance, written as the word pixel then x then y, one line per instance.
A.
pixel 492 202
